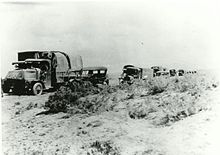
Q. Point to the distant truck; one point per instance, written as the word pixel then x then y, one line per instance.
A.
pixel 181 72
pixel 158 69
pixel 172 72
pixel 39 70
pixel 96 75
pixel 130 73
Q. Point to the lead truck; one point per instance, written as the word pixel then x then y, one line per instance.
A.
pixel 36 71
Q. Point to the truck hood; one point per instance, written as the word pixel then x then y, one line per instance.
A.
pixel 15 74
pixel 22 74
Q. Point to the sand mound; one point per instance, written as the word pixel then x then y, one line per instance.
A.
pixel 160 100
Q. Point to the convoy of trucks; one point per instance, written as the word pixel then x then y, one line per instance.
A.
pixel 36 71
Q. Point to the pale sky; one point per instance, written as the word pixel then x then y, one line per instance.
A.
pixel 178 34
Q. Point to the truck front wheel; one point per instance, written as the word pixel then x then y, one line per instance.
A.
pixel 37 89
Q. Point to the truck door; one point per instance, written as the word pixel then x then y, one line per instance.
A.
pixel 45 75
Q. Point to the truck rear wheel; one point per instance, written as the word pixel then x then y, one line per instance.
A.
pixel 37 88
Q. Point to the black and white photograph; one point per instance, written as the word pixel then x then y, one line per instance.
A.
pixel 110 77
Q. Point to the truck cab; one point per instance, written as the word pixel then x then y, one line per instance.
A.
pixel 129 73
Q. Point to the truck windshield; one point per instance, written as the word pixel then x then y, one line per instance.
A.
pixel 16 74
pixel 30 75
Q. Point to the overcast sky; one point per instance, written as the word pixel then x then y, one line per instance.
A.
pixel 177 34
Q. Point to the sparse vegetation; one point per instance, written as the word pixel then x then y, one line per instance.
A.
pixel 67 96
pixel 112 119
pixel 161 100
pixel 61 100
pixel 103 148
pixel 170 100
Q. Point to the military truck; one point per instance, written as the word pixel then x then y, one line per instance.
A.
pixel 172 72
pixel 96 75
pixel 39 70
pixel 130 73
pixel 158 69
pixel 181 72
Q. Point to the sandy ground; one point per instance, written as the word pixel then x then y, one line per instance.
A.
pixel 25 132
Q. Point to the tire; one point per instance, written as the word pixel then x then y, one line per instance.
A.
pixel 37 89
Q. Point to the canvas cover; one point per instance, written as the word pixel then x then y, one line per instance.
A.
pixel 76 63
